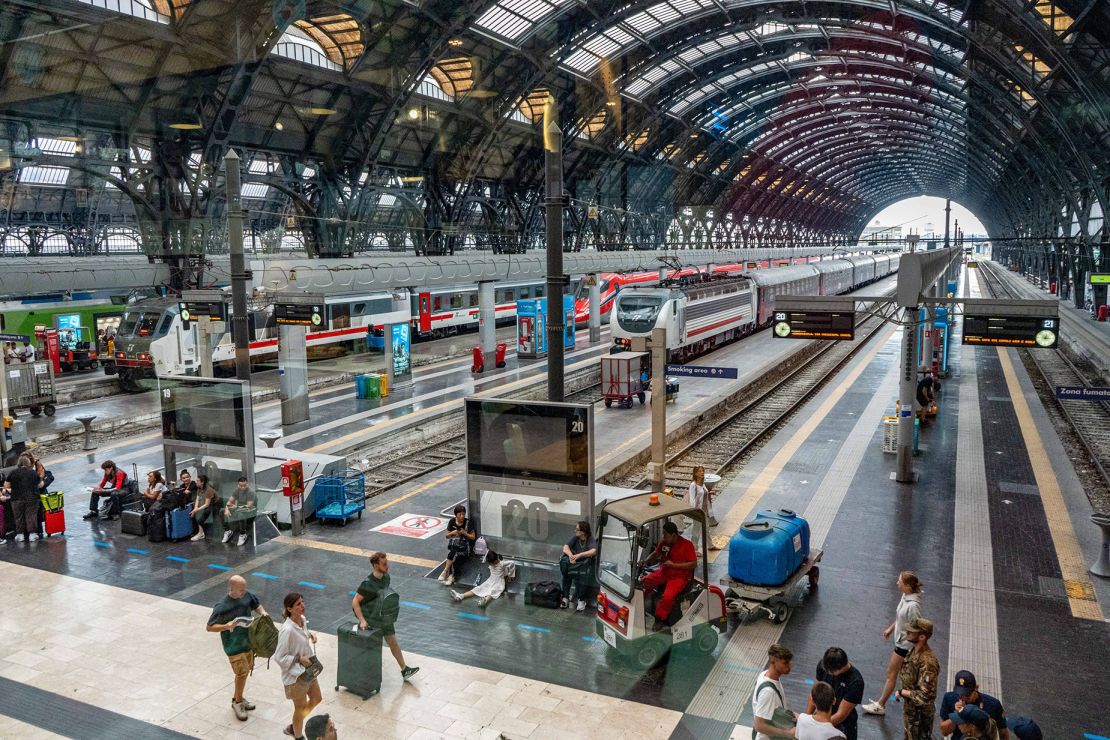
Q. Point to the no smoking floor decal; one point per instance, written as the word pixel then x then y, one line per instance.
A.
pixel 416 526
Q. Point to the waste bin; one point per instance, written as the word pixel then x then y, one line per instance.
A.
pixel 373 385
pixel 499 355
pixel 383 385
pixel 359 668
pixel 1103 312
pixel 478 361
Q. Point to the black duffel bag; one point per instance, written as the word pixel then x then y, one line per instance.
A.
pixel 543 593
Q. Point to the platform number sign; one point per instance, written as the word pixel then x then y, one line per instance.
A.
pixel 782 325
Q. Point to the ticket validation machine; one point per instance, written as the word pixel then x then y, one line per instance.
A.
pixel 530 473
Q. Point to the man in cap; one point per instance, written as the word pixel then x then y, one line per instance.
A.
pixel 919 682
pixel 965 693
pixel 971 722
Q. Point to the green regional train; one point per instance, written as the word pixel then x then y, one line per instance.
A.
pixel 95 311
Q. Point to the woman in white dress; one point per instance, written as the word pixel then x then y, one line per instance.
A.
pixel 500 572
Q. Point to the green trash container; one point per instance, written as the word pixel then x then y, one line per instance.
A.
pixel 359 668
pixel 373 386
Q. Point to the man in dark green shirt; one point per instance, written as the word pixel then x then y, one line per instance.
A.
pixel 238 604
pixel 370 590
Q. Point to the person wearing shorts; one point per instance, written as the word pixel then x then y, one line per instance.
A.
pixel 376 582
pixel 239 602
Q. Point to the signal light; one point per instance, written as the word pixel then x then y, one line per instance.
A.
pixel 622 618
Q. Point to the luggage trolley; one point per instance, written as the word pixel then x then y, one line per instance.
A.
pixel 339 497
pixel 745 599
pixel 31 386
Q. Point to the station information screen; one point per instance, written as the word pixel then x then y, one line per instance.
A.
pixel 194 310
pixel 297 314
pixel 531 440
pixel 815 324
pixel 203 411
pixel 1011 331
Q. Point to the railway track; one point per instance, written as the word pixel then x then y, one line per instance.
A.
pixel 439 452
pixel 1089 419
pixel 742 432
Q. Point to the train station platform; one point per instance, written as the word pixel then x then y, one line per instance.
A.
pixel 997 528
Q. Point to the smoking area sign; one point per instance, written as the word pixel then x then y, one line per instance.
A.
pixel 413 526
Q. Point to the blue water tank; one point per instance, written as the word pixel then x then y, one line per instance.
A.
pixel 767 550
pixel 796 525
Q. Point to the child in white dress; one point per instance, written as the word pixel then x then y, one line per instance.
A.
pixel 500 572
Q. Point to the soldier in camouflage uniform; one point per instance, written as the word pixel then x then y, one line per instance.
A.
pixel 919 682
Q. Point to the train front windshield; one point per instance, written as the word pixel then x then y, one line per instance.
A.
pixel 637 313
pixel 139 323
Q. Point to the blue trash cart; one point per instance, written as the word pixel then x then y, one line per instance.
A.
pixel 340 497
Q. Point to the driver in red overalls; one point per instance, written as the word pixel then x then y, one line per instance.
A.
pixel 679 559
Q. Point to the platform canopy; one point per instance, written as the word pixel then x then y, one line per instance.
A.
pixel 415 125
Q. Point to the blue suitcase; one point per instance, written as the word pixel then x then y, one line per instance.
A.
pixel 180 524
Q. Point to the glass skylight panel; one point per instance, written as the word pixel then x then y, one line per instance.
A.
pixel 515 19
pixel 255 189
pixel 387 200
pixel 295 44
pixel 43 175
pixel 135 8
pixel 56 146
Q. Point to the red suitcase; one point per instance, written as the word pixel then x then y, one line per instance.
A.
pixel 55 522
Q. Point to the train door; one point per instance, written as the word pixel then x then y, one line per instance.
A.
pixel 424 311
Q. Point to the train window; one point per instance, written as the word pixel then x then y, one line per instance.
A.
pixel 359 309
pixel 167 321
pixel 456 300
pixel 340 315
pixel 437 303
pixel 524 293
pixel 473 300
pixel 509 295
pixel 537 291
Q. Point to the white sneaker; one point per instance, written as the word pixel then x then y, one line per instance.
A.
pixel 227 536
pixel 581 606
pixel 450 580
pixel 198 536
pixel 483 601
pixel 456 595
pixel 874 707
pixel 243 539
pixel 33 537
pixel 443 576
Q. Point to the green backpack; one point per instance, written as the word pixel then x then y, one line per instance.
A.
pixel 262 636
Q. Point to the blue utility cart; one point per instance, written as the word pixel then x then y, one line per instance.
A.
pixel 340 497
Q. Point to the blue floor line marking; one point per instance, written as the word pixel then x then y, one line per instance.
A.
pixel 415 605
pixel 218 567
pixel 590 638
pixel 310 585
pixel 265 575
pixel 98 543
pixel 137 551
pixel 533 629
pixel 352 593
pixel 177 559
pixel 469 615
pixel 1093 736
pixel 809 681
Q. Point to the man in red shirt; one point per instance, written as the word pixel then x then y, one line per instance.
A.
pixel 679 559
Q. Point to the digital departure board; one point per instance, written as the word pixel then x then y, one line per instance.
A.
pixel 203 304
pixel 298 314
pixel 1011 331
pixel 815 324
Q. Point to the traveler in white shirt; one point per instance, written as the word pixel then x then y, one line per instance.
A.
pixel 819 726
pixel 769 695
pixel 295 652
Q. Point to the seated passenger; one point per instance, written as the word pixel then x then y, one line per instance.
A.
pixel 678 559
pixel 112 481
pixel 206 506
pixel 577 565
pixel 187 488
pixel 460 538
pixel 239 512
pixel 500 573
pixel 155 487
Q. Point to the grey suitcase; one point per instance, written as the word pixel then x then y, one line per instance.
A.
pixel 133 522
pixel 360 661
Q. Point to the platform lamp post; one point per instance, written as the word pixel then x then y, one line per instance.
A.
pixel 554 202
pixel 657 469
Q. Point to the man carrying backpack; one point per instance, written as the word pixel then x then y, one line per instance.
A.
pixel 231 617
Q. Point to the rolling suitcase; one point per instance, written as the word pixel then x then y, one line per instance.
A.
pixel 359 669
pixel 156 525
pixel 55 522
pixel 133 522
pixel 180 524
